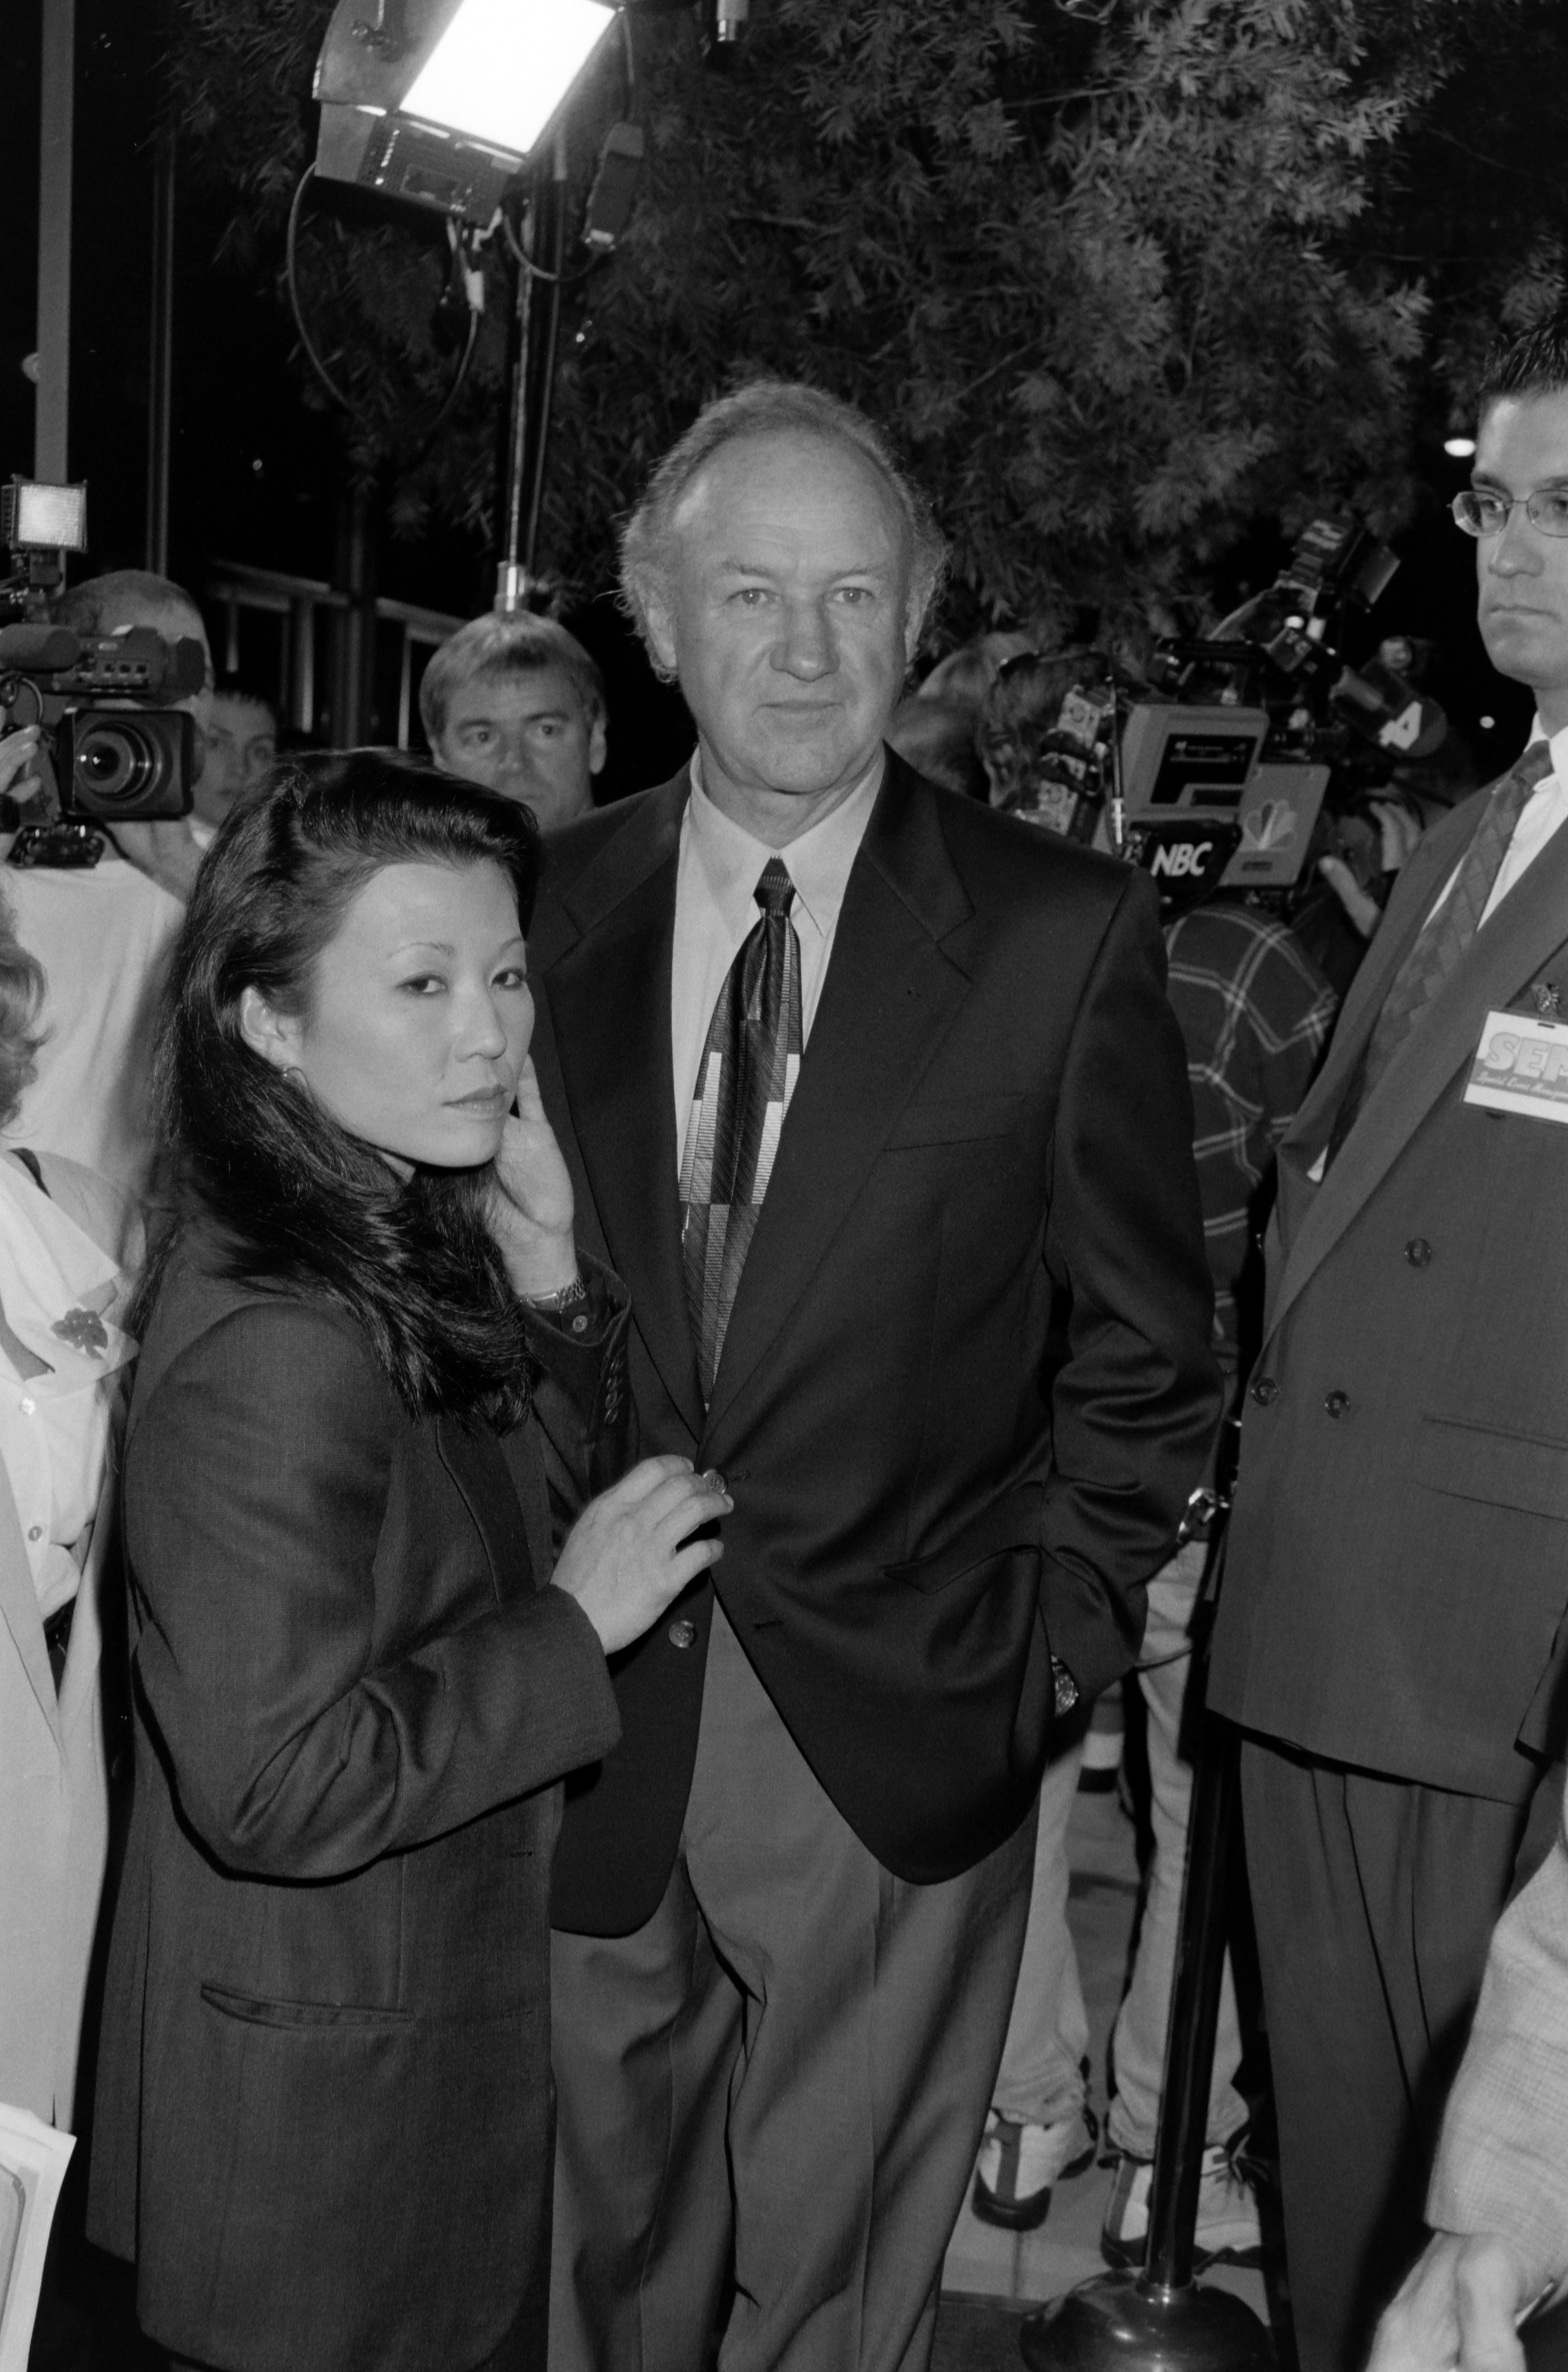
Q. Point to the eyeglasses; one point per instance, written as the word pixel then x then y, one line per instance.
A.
pixel 1481 513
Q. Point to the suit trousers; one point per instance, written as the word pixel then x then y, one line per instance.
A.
pixel 771 2095
pixel 1375 1900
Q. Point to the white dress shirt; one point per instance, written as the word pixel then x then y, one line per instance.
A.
pixel 716 912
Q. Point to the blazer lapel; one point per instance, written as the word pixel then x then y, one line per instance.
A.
pixel 610 996
pixel 890 993
pixel 18 1607
pixel 1530 924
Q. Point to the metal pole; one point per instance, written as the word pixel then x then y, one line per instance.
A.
pixel 161 375
pixel 353 628
pixel 51 433
pixel 302 663
pixel 1194 2017
pixel 552 245
pixel 1161 2320
pixel 511 579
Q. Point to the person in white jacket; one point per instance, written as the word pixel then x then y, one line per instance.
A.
pixel 1498 2200
pixel 69 1244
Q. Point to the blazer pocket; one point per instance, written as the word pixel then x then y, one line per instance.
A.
pixel 1011 1524
pixel 301 2015
pixel 1505 1469
pixel 957 1119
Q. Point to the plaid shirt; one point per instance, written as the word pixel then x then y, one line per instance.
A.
pixel 1254 1013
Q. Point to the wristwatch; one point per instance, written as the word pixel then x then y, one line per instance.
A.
pixel 562 1298
pixel 1065 1686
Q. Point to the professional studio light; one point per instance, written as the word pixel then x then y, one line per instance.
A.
pixel 442 102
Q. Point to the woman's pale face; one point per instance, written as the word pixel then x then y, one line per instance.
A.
pixel 419 1016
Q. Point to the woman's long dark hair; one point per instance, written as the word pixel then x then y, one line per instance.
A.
pixel 298 1201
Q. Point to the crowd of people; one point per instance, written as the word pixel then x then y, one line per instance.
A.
pixel 590 1395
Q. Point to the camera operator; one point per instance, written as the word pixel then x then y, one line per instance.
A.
pixel 102 931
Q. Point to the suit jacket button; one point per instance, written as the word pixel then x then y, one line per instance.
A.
pixel 1418 1251
pixel 1336 1403
pixel 1265 1391
pixel 682 1633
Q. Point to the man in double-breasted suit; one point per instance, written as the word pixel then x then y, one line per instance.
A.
pixel 877 1099
pixel 1391 1628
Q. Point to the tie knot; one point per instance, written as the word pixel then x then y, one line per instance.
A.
pixel 774 891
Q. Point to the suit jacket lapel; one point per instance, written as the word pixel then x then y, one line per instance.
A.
pixel 609 997
pixel 890 993
pixel 1429 867
pixel 1527 926
pixel 18 1607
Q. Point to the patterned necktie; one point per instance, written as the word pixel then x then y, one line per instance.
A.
pixel 749 1067
pixel 1445 936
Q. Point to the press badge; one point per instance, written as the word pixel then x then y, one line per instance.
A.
pixel 1521 1065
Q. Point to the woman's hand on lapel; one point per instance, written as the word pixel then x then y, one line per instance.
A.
pixel 531 1204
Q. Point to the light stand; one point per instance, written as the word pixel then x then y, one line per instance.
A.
pixel 1161 2320
pixel 538 251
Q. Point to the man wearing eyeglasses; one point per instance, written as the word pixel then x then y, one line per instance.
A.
pixel 1391 1632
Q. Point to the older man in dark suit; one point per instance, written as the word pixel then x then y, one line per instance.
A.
pixel 877 1099
pixel 1391 1626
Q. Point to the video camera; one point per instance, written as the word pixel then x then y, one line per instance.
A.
pixel 119 750
pixel 1213 773
pixel 1228 758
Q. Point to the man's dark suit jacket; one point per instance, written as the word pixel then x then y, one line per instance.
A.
pixel 323 2112
pixel 1397 1568
pixel 966 1385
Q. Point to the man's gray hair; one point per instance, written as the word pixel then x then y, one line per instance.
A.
pixel 770 407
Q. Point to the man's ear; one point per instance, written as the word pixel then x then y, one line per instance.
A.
pixel 599 746
pixel 274 1036
pixel 917 600
pixel 658 618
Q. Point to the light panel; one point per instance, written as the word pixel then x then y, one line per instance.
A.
pixel 503 67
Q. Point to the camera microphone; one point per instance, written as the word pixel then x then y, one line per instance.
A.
pixel 1389 710
pixel 48 648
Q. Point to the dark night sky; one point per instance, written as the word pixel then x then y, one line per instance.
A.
pixel 254 472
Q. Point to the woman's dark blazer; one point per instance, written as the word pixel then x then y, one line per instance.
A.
pixel 324 2122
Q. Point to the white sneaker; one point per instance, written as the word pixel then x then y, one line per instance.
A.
pixel 1019 2163
pixel 1228 2223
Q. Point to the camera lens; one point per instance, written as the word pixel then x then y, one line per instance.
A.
pixel 116 762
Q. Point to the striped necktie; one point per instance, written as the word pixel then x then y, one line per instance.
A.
pixel 1445 936
pixel 749 1067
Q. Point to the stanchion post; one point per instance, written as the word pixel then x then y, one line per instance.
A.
pixel 1160 2320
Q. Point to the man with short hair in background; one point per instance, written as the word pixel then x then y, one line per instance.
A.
pixel 517 704
pixel 103 933
pixel 875 1101
pixel 239 735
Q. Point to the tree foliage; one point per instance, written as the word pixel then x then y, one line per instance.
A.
pixel 1122 276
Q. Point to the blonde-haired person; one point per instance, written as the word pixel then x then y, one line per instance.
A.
pixel 518 705
pixel 69 1244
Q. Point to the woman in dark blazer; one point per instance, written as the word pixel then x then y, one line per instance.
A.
pixel 374 1386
